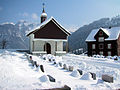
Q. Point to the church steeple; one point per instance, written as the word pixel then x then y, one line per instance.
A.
pixel 43 15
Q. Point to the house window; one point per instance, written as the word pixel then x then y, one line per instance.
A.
pixel 101 52
pixel 93 46
pixel 109 46
pixel 100 33
pixel 109 53
pixel 101 46
pixel 101 39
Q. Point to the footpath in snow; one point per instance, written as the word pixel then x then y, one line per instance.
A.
pixel 18 73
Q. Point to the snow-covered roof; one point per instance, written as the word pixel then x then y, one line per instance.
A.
pixel 44 23
pixel 112 33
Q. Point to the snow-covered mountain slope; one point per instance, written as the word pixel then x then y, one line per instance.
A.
pixel 77 39
pixel 17 73
pixel 15 34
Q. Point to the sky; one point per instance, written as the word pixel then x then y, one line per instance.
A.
pixel 72 14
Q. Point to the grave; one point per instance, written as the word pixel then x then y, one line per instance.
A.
pixel 107 78
pixel 51 78
pixel 80 71
pixel 63 88
pixel 93 76
pixel 42 68
pixel 60 64
pixel 70 68
pixel 65 67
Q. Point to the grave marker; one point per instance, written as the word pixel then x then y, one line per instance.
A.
pixel 80 71
pixel 107 78
pixel 51 78
pixel 42 68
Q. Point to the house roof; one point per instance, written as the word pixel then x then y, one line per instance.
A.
pixel 44 23
pixel 113 34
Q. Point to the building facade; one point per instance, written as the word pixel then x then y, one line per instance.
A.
pixel 48 38
pixel 104 41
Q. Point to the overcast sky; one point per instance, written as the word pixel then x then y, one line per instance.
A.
pixel 69 13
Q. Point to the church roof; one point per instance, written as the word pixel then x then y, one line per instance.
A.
pixel 44 23
pixel 113 34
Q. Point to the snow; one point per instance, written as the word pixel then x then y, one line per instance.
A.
pixel 44 78
pixel 86 76
pixel 17 73
pixel 113 33
pixel 8 23
pixel 75 73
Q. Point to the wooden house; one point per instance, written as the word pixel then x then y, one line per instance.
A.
pixel 104 41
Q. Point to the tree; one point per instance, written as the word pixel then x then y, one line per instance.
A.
pixel 3 42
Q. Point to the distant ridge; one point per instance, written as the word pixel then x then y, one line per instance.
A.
pixel 77 39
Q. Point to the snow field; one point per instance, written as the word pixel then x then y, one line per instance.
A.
pixel 17 72
pixel 99 66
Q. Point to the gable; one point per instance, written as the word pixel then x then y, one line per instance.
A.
pixel 101 33
pixel 50 31
pixel 113 34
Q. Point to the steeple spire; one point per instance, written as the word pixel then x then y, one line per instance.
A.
pixel 43 15
pixel 43 8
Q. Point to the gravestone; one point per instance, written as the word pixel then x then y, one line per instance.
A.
pixel 50 60
pixel 116 59
pixel 70 68
pixel 44 58
pixel 80 71
pixel 65 67
pixel 30 57
pixel 63 88
pixel 54 62
pixel 93 76
pixel 107 78
pixel 51 78
pixel 60 64
pixel 42 68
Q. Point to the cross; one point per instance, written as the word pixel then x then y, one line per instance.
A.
pixel 43 4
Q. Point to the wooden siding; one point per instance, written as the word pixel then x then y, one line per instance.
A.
pixel 118 45
pixel 104 35
pixel 115 46
pixel 105 49
pixel 50 31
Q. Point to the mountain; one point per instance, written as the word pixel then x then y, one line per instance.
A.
pixel 77 39
pixel 15 34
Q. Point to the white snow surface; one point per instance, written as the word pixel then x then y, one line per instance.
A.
pixel 16 73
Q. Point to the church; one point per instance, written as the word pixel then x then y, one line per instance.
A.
pixel 48 38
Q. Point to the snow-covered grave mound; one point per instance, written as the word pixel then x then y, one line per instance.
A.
pixel 86 76
pixel 17 72
pixel 75 73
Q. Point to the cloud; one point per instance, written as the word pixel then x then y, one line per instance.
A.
pixel 35 16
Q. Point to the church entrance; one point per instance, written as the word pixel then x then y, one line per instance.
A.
pixel 48 48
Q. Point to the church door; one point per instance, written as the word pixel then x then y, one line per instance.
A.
pixel 48 48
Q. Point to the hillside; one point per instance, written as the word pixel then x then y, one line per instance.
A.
pixel 77 39
pixel 15 34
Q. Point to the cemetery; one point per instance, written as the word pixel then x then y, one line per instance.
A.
pixel 55 72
